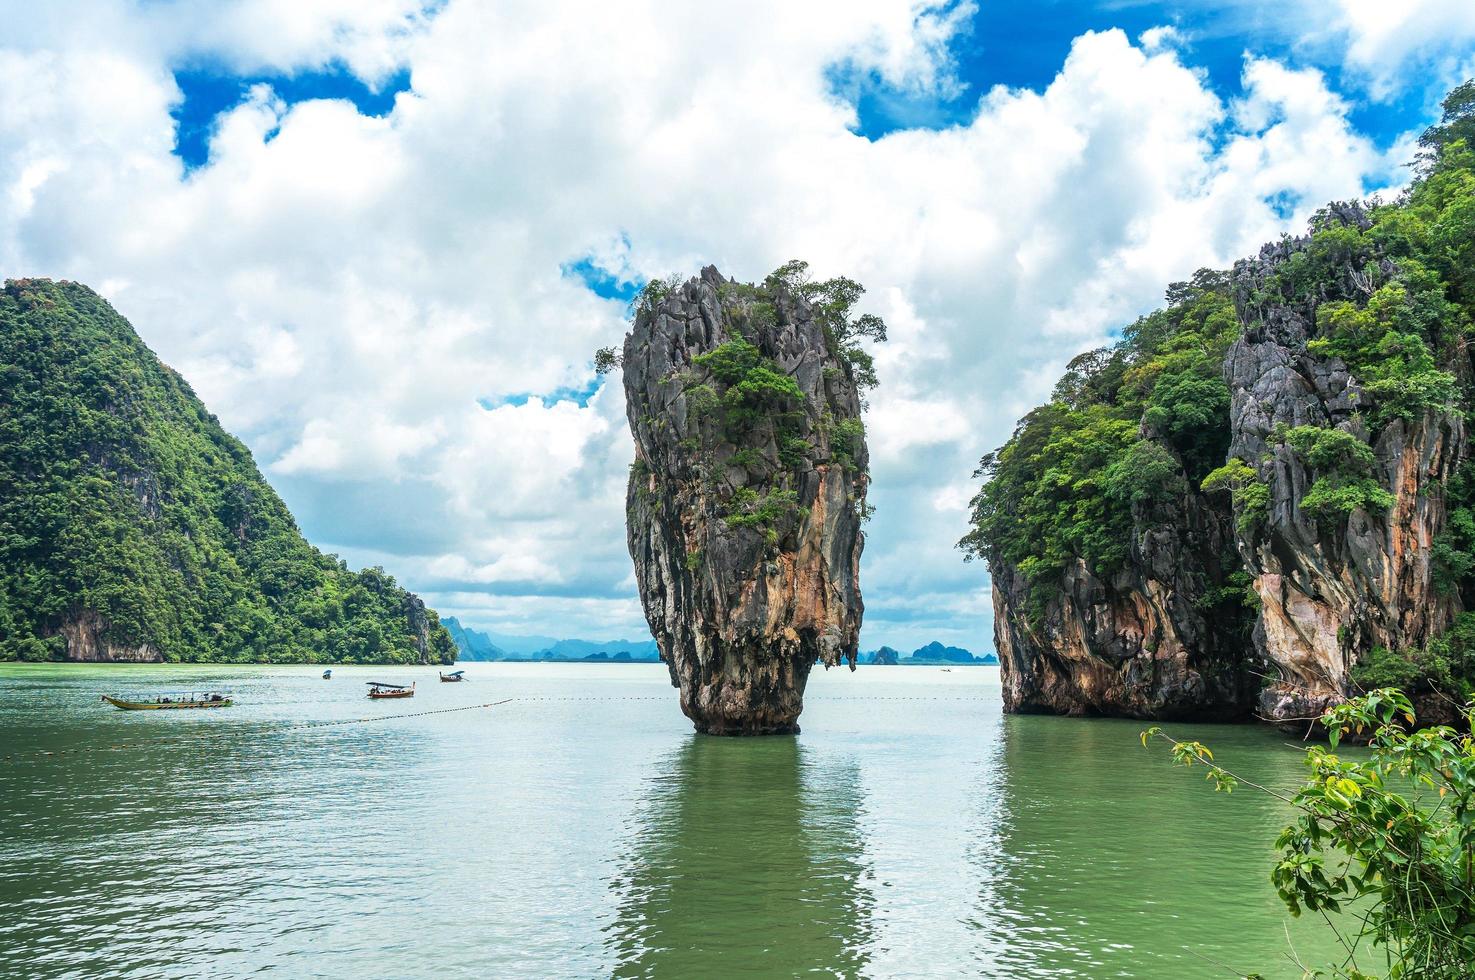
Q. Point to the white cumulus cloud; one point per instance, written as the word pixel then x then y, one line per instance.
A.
pixel 379 307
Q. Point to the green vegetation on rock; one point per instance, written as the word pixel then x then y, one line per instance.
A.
pixel 1249 494
pixel 1127 425
pixel 1387 292
pixel 133 523
pixel 754 387
pixel 1444 668
pixel 756 406
pixel 1343 465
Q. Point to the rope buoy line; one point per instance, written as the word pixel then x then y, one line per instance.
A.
pixel 371 719
pixel 265 730
pixel 812 700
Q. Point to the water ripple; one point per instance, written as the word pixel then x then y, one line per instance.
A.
pixel 582 830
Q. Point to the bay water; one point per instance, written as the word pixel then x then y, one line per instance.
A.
pixel 580 829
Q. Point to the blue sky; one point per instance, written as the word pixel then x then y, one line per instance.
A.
pixel 206 91
pixel 1023 45
pixel 383 240
pixel 1014 44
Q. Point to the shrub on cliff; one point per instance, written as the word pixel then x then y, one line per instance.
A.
pixel 1248 493
pixel 1128 424
pixel 1390 838
pixel 1387 343
pixel 1343 465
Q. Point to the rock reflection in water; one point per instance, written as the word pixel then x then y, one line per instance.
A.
pixel 1069 884
pixel 745 860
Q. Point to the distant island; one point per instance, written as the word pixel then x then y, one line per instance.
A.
pixel 933 654
pixel 483 645
pixel 474 644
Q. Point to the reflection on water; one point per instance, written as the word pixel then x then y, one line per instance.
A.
pixel 744 860
pixel 581 830
pixel 135 848
pixel 1108 861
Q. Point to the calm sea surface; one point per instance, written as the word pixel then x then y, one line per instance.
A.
pixel 582 830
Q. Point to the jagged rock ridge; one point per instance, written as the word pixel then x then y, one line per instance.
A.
pixel 746 497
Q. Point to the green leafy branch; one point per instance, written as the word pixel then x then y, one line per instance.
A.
pixel 1401 825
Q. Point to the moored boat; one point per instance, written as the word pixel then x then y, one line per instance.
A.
pixel 172 701
pixel 379 689
pixel 454 677
pixel 328 674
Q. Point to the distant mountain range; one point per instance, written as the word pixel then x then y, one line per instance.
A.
pixel 477 644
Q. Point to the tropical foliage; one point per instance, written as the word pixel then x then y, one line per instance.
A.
pixel 1343 466
pixel 1127 426
pixel 121 497
pixel 1386 836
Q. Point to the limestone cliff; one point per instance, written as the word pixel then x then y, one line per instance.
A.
pixel 1257 501
pixel 1332 587
pixel 747 495
pixel 1154 639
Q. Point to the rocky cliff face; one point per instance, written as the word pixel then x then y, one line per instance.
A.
pixel 1260 587
pixel 1331 590
pixel 1150 641
pixel 746 497
pixel 90 637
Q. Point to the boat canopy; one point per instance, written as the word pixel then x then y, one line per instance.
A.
pixel 397 687
pixel 456 673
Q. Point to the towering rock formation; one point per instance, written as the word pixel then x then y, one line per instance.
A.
pixel 1336 530
pixel 1331 590
pixel 747 493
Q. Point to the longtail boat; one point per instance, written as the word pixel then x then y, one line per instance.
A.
pixel 378 689
pixel 454 677
pixel 170 702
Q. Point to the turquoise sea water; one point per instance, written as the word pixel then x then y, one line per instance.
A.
pixel 582 830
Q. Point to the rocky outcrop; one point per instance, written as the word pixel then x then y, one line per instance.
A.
pixel 90 637
pixel 1167 633
pixel 746 498
pixel 1330 591
pixel 1149 642
pixel 417 620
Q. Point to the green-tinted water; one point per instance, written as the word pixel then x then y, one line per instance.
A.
pixel 582 830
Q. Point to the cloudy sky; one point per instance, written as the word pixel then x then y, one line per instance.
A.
pixel 382 238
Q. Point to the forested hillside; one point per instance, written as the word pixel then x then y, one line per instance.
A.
pixel 1261 497
pixel 132 526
